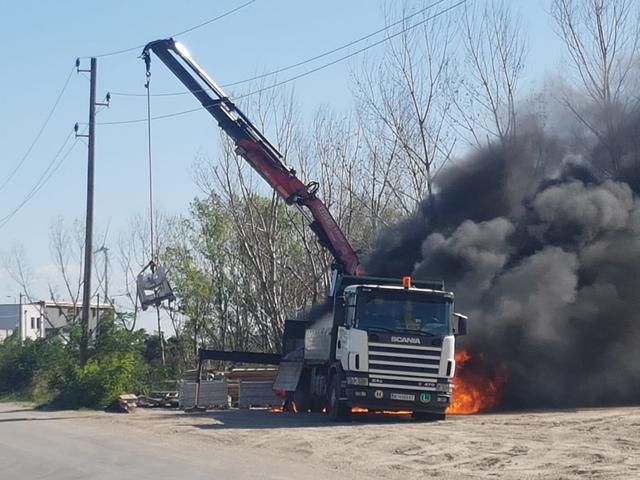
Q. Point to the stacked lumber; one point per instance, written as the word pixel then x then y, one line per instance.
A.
pixel 208 374
pixel 237 375
pixel 252 374
pixel 213 394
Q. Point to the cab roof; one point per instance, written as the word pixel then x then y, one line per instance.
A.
pixel 441 293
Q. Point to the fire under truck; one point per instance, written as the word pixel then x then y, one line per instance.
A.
pixel 384 343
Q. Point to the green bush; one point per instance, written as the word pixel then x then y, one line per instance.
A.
pixel 48 371
pixel 29 367
pixel 100 381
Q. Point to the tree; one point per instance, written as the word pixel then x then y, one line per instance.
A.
pixel 202 269
pixel 135 253
pixel 360 181
pixel 601 38
pixel 66 243
pixel 409 94
pixel 495 46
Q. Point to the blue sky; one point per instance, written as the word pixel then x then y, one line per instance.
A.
pixel 42 40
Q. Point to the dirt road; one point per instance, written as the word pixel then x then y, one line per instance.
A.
pixel 594 443
pixel 99 446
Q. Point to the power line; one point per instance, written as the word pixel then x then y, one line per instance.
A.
pixel 51 170
pixel 40 132
pixel 200 25
pixel 303 74
pixel 297 64
pixel 352 54
pixel 157 117
pixel 190 29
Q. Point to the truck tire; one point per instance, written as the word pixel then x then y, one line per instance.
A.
pixel 336 409
pixel 428 417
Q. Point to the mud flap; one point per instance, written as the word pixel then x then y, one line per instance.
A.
pixel 289 374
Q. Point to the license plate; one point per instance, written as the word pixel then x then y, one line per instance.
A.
pixel 403 396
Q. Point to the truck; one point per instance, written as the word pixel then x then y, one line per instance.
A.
pixel 380 344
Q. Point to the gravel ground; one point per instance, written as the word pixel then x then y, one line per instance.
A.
pixel 590 443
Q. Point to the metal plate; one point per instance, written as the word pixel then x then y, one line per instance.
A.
pixel 403 396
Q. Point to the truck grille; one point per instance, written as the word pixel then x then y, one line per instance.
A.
pixel 403 367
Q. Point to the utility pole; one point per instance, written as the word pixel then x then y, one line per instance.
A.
pixel 88 236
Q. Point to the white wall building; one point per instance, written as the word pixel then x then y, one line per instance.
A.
pixel 37 320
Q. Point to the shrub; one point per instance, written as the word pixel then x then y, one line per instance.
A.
pixel 47 369
pixel 29 365
pixel 100 381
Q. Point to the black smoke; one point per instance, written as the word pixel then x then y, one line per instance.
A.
pixel 541 246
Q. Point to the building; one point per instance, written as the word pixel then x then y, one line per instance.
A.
pixel 8 320
pixel 40 319
pixel 25 318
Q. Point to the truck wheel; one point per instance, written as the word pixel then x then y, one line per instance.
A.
pixel 428 417
pixel 336 409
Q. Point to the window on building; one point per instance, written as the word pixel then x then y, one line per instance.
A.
pixel 33 323
pixel 39 323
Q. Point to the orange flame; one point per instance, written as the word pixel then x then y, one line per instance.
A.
pixel 281 408
pixel 475 388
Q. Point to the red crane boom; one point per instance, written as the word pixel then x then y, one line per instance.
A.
pixel 253 146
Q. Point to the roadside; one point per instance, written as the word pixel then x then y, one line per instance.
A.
pixel 77 445
pixel 592 443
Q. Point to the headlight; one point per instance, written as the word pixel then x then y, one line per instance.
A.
pixel 362 381
pixel 444 387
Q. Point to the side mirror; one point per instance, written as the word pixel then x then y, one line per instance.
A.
pixel 459 324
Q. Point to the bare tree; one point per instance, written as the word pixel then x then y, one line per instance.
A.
pixel 16 264
pixel 358 177
pixel 601 38
pixel 67 250
pixel 328 156
pixel 495 47
pixel 134 252
pixel 260 230
pixel 409 93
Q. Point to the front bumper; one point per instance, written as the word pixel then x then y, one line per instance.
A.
pixel 395 399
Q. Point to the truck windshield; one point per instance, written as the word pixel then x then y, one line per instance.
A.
pixel 403 312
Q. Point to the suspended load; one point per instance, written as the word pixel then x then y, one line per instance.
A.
pixel 153 286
